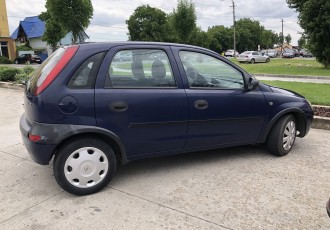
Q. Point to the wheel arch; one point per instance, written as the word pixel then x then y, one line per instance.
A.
pixel 108 137
pixel 300 120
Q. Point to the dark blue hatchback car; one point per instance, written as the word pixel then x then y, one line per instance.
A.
pixel 93 110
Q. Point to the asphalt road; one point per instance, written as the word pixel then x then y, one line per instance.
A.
pixel 236 188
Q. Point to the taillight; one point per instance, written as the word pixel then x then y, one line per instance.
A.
pixel 54 72
pixel 34 138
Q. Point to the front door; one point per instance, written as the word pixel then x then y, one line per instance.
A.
pixel 221 110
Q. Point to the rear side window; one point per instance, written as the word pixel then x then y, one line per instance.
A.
pixel 140 68
pixel 85 75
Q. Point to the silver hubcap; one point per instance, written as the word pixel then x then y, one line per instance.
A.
pixel 86 167
pixel 289 135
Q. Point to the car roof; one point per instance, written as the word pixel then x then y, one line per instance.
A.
pixel 123 43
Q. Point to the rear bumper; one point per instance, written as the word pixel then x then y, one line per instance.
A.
pixel 42 152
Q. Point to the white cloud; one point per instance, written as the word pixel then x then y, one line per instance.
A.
pixel 108 23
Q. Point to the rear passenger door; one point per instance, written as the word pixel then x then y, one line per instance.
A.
pixel 141 99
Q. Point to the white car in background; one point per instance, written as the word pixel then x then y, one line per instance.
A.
pixel 252 57
pixel 230 53
pixel 271 53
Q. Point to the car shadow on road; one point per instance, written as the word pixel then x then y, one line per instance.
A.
pixel 190 160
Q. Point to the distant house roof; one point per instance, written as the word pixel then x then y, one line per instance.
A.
pixel 33 27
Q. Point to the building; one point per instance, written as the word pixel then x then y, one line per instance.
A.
pixel 30 32
pixel 7 46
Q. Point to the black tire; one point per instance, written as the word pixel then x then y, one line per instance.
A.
pixel 16 62
pixel 267 60
pixel 275 142
pixel 252 61
pixel 28 62
pixel 68 160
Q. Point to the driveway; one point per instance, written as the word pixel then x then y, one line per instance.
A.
pixel 236 188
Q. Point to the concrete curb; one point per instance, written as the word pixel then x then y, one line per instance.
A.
pixel 9 85
pixel 318 123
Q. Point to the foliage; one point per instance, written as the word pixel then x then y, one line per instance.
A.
pixel 27 70
pixel 184 20
pixel 4 60
pixel 302 42
pixel 21 77
pixel 288 39
pixel 54 32
pixel 8 73
pixel 314 18
pixel 308 90
pixel 249 34
pixel 199 38
pixel 23 48
pixel 147 24
pixel 70 15
pixel 223 36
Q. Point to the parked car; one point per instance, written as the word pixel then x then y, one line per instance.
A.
pixel 230 53
pixel 28 59
pixel 252 57
pixel 308 54
pixel 296 53
pixel 271 53
pixel 92 115
pixel 288 54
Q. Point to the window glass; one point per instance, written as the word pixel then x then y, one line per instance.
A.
pixel 206 71
pixel 84 76
pixel 140 68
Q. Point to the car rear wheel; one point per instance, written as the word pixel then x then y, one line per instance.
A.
pixel 28 62
pixel 267 60
pixel 16 62
pixel 282 136
pixel 252 61
pixel 84 166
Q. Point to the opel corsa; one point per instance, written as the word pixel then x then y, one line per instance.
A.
pixel 92 110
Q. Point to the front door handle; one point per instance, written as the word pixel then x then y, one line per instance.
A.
pixel 201 104
pixel 118 106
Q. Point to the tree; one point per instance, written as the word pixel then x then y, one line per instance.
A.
pixel 314 19
pixel 280 39
pixel 148 24
pixel 71 15
pixel 199 38
pixel 249 34
pixel 302 41
pixel 184 20
pixel 268 39
pixel 288 39
pixel 223 35
pixel 54 32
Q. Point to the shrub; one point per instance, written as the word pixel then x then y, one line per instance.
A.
pixel 28 70
pixel 8 73
pixel 4 60
pixel 19 78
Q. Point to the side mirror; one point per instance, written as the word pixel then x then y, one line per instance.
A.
pixel 253 83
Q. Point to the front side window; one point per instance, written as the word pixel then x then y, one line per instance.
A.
pixel 206 71
pixel 140 68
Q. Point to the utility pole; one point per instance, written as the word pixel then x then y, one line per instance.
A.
pixel 282 37
pixel 234 27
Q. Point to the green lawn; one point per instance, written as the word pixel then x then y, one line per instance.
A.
pixel 317 94
pixel 296 66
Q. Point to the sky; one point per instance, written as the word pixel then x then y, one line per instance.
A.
pixel 108 23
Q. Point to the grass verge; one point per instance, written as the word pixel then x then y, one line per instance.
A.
pixel 317 94
pixel 296 66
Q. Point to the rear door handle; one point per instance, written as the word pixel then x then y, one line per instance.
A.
pixel 201 104
pixel 118 106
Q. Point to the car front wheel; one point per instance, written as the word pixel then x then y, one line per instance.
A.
pixel 84 166
pixel 282 136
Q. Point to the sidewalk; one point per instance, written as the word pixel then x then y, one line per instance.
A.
pixel 310 79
